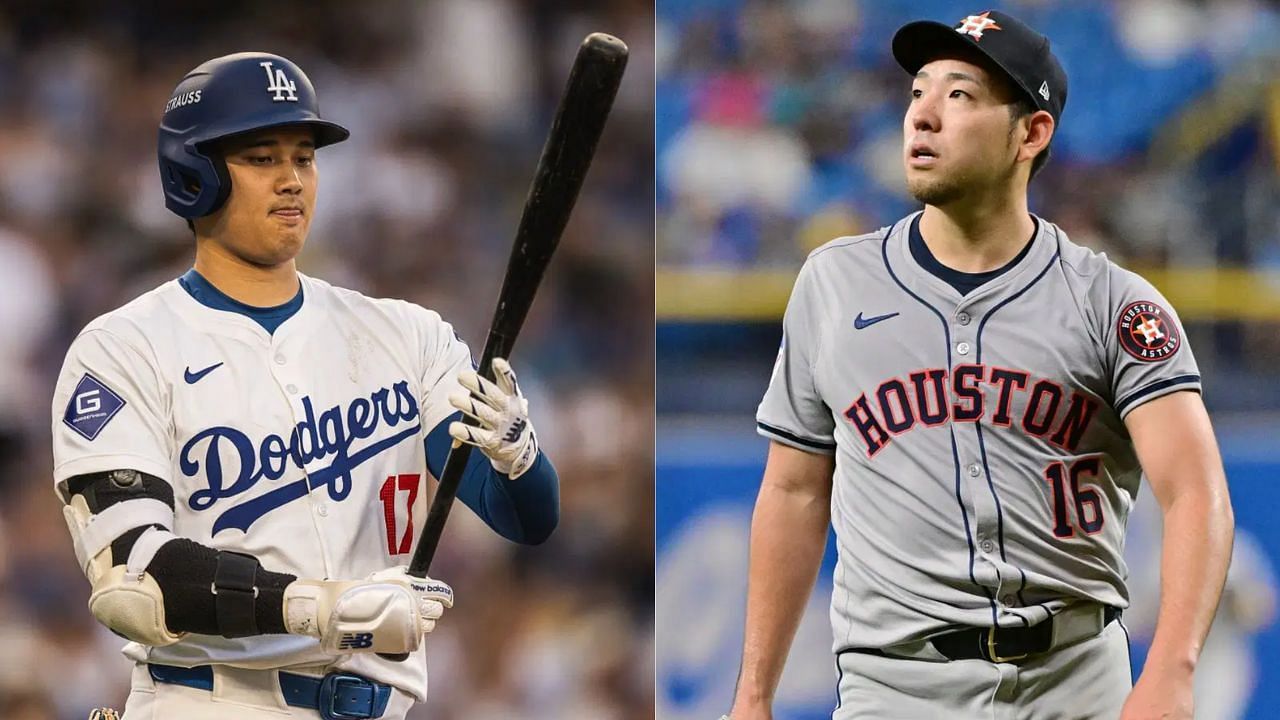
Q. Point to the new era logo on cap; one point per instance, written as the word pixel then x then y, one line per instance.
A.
pixel 1044 91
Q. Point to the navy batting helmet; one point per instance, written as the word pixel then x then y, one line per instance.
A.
pixel 227 96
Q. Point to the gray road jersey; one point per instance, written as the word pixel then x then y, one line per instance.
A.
pixel 983 470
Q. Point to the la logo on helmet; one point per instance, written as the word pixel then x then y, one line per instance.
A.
pixel 279 83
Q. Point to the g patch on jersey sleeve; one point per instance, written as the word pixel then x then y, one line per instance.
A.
pixel 91 407
pixel 1148 332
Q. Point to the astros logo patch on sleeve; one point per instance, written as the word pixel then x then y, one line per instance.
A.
pixel 91 407
pixel 1147 332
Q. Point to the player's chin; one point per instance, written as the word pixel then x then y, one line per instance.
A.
pixel 932 189
pixel 284 245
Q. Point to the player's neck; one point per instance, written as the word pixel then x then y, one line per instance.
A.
pixel 977 236
pixel 247 283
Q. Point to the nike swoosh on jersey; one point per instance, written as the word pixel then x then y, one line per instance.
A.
pixel 194 377
pixel 860 323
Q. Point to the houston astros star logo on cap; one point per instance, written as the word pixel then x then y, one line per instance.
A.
pixel 1017 51
pixel 975 25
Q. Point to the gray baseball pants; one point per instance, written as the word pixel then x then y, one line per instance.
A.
pixel 1088 680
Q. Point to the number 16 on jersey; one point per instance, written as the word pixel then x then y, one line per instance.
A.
pixel 1087 501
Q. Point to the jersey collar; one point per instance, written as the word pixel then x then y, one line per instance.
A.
pixel 307 318
pixel 269 318
pixel 924 281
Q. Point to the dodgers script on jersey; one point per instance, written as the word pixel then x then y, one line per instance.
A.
pixel 303 447
pixel 984 474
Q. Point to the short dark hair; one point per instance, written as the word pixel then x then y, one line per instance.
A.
pixel 1023 107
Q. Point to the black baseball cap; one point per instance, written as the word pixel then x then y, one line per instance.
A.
pixel 1022 53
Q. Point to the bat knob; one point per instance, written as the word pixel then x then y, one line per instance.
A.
pixel 605 44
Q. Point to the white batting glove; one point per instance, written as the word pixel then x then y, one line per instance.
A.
pixel 505 433
pixel 433 595
pixel 389 612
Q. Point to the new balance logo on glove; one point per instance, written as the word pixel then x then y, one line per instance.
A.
pixel 355 641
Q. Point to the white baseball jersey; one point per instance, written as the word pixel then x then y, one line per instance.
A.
pixel 984 473
pixel 303 448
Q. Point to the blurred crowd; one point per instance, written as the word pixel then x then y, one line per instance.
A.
pixel 448 102
pixel 779 127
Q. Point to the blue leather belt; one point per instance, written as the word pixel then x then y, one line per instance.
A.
pixel 336 696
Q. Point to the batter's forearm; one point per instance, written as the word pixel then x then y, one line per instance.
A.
pixel 1198 532
pixel 788 534
pixel 185 572
pixel 525 510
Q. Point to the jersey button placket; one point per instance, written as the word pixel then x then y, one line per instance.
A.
pixel 286 380
pixel 283 375
pixel 963 343
pixel 983 514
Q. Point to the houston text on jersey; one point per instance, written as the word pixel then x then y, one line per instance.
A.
pixel 897 406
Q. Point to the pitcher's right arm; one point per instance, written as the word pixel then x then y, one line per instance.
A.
pixel 788 535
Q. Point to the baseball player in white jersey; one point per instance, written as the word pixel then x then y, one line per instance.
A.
pixel 969 398
pixel 244 452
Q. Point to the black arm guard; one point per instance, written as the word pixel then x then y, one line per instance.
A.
pixel 104 489
pixel 188 572
pixel 205 590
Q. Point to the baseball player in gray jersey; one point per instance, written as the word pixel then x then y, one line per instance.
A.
pixel 970 399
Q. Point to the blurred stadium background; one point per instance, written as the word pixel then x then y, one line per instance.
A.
pixel 448 103
pixel 779 128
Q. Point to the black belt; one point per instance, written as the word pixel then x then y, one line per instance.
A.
pixel 996 644
pixel 336 696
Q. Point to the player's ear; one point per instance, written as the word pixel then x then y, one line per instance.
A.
pixel 1039 132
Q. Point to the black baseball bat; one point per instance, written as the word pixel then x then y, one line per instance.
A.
pixel 575 132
